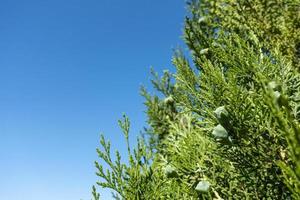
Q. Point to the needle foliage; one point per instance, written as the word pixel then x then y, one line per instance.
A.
pixel 226 125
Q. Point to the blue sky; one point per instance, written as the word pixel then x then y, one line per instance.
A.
pixel 68 70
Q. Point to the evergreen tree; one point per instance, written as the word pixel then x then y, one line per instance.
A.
pixel 228 126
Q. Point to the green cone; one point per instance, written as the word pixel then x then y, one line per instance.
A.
pixel 203 186
pixel 220 132
pixel 170 171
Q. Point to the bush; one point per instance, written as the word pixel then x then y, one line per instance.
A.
pixel 228 126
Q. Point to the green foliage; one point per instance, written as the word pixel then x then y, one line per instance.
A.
pixel 96 196
pixel 288 119
pixel 272 23
pixel 228 126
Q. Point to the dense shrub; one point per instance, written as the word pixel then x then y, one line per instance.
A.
pixel 228 126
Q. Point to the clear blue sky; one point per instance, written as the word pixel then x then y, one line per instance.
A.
pixel 68 70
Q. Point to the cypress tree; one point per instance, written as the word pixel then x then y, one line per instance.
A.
pixel 228 125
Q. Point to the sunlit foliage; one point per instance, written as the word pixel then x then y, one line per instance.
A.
pixel 227 124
